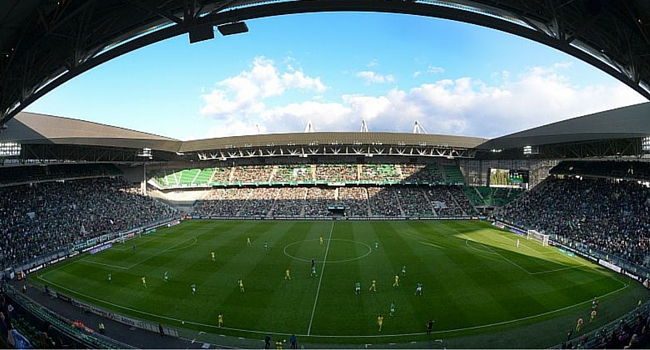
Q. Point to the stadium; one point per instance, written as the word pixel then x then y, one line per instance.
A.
pixel 117 238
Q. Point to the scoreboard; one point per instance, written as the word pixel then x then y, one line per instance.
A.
pixel 508 178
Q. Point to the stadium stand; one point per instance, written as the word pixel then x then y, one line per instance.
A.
pixel 453 174
pixel 605 215
pixel 10 176
pixel 48 217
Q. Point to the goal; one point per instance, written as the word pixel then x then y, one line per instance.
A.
pixel 536 236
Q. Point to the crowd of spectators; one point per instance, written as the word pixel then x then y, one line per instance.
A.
pixel 252 174
pixel 379 172
pixel 292 173
pixel 355 199
pixel 383 201
pixel 318 199
pixel 599 214
pixel 221 175
pixel 414 201
pixel 289 201
pixel 337 172
pixel 348 173
pixel 422 173
pixel 43 218
pixel 380 201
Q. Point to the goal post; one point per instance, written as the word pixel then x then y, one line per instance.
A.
pixel 536 236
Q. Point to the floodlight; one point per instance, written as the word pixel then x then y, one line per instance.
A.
pixel 233 28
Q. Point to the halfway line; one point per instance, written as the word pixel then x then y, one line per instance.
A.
pixel 320 279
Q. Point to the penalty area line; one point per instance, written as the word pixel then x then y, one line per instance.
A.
pixel 320 279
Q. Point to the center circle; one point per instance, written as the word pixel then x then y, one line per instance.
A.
pixel 340 250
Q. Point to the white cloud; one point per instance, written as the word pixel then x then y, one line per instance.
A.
pixel 373 78
pixel 463 106
pixel 435 70
pixel 243 95
pixel 300 81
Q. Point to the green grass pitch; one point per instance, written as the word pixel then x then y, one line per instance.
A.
pixel 474 278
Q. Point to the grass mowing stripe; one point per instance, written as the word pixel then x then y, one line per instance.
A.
pixel 462 280
pixel 313 310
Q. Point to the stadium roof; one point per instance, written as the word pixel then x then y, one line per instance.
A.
pixel 32 128
pixel 44 43
pixel 629 122
pixel 333 138
pixel 621 123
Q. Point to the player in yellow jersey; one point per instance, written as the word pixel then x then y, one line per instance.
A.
pixel 287 275
pixel 220 319
pixel 212 255
pixel 579 324
pixel 373 286
pixel 248 241
pixel 320 240
pixel 144 281
pixel 241 285
pixel 396 284
pixel 380 321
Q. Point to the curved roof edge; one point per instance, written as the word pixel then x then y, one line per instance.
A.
pixel 34 128
pixel 621 123
pixel 332 138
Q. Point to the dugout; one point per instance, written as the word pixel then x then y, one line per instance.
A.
pixel 336 210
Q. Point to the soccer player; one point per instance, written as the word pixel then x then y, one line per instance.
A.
pixel 579 324
pixel 212 255
pixel 193 286
pixel 220 319
pixel 313 270
pixel 373 286
pixel 592 315
pixel 248 241
pixel 403 270
pixel 429 326
pixel 110 278
pixel 380 321
pixel 517 242
pixel 144 281
pixel 357 288
pixel 396 283
pixel 287 275
pixel 166 277
pixel 376 245
pixel 392 308
pixel 266 245
pixel 241 285
pixel 320 240
pixel 418 289
pixel 313 263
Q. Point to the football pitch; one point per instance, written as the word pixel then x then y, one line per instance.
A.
pixel 474 279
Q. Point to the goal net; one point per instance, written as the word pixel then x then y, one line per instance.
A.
pixel 536 236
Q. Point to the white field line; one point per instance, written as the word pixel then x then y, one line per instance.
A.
pixel 136 311
pixel 330 336
pixel 320 279
pixel 141 261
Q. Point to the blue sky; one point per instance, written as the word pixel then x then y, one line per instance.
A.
pixel 336 69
